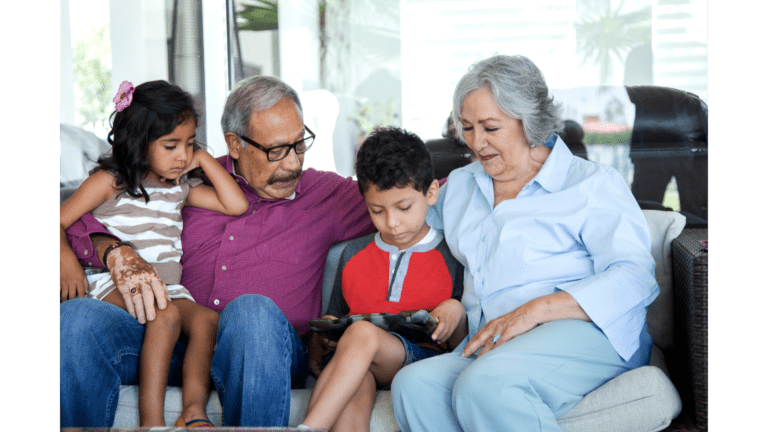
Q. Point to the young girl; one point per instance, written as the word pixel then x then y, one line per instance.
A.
pixel 138 192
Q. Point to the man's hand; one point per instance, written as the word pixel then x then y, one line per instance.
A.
pixel 138 283
pixel 73 281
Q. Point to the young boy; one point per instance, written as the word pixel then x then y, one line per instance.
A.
pixel 406 265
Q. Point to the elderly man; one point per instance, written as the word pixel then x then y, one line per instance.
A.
pixel 262 271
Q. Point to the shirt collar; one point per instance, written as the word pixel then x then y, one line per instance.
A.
pixel 553 173
pixel 551 176
pixel 429 242
pixel 229 165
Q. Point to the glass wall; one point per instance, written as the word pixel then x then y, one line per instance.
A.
pixel 396 62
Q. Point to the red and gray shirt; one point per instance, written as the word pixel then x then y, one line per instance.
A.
pixel 376 277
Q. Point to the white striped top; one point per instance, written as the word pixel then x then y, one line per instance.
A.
pixel 154 229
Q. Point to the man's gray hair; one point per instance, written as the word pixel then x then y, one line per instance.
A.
pixel 518 88
pixel 254 94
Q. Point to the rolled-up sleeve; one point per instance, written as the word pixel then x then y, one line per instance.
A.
pixel 616 237
pixel 79 237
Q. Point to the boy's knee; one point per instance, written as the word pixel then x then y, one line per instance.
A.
pixel 362 333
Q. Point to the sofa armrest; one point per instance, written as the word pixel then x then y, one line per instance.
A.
pixel 689 366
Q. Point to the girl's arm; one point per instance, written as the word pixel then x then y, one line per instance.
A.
pixel 225 196
pixel 96 189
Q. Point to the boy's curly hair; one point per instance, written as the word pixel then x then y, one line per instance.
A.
pixel 393 157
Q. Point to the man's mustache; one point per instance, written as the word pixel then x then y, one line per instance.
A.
pixel 285 179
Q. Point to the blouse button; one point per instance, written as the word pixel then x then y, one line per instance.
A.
pixel 231 238
pixel 223 267
pixel 216 302
pixel 85 252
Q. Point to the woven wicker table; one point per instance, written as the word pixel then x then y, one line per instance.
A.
pixel 689 261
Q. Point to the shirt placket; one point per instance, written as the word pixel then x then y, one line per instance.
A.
pixel 226 259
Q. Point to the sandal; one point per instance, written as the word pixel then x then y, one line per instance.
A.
pixel 194 423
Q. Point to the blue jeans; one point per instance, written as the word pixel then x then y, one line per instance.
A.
pixel 258 359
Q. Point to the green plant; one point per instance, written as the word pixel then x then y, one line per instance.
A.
pixel 607 138
pixel 262 16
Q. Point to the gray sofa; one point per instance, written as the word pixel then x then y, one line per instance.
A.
pixel 644 399
pixel 671 390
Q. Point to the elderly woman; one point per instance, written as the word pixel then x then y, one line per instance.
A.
pixel 558 267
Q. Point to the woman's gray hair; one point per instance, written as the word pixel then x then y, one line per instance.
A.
pixel 518 88
pixel 254 94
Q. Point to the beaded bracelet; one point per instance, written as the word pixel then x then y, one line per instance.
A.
pixel 109 249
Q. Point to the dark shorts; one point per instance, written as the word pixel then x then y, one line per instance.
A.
pixel 414 352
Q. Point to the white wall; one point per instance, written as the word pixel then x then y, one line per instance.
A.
pixel 299 44
pixel 138 35
pixel 67 83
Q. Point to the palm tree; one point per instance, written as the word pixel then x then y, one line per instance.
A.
pixel 605 34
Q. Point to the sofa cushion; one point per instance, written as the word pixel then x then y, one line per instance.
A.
pixel 640 400
pixel 664 227
pixel 127 414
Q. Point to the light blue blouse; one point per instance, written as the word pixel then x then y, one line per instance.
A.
pixel 574 227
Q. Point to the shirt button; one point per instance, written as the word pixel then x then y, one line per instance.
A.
pixel 394 257
pixel 90 264
pixel 85 252
pixel 231 238
pixel 223 267
pixel 253 211
pixel 216 302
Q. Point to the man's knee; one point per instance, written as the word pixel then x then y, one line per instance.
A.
pixel 250 321
pixel 251 308
pixel 79 316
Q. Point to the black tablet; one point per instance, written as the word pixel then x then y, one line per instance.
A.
pixel 417 326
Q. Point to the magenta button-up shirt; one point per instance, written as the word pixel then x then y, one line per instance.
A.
pixel 277 248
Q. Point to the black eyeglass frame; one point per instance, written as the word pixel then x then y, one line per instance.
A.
pixel 289 146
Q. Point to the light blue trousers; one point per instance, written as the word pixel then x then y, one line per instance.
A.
pixel 522 385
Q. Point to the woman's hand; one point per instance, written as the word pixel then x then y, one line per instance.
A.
pixel 552 307
pixel 73 281
pixel 508 326
pixel 448 315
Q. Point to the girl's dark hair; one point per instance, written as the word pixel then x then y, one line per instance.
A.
pixel 393 157
pixel 158 107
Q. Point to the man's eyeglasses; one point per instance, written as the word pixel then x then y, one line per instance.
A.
pixel 280 152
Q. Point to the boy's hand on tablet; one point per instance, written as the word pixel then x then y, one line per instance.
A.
pixel 448 315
